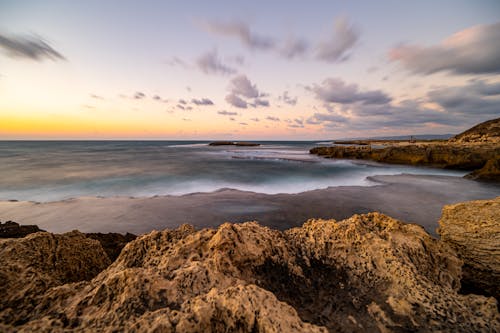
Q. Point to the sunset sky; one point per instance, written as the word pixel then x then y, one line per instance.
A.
pixel 298 70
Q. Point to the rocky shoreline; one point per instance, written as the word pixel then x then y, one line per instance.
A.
pixel 476 150
pixel 369 272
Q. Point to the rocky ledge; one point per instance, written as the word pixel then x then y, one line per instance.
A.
pixel 476 149
pixel 368 273
pixel 472 229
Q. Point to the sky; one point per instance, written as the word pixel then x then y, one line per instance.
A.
pixel 246 70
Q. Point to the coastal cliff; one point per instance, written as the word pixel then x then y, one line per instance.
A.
pixel 476 149
pixel 368 273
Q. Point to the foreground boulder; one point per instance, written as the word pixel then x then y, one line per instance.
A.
pixel 11 229
pixel 473 230
pixel 34 264
pixel 369 273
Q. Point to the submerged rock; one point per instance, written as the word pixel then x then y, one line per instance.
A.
pixel 368 273
pixel 12 229
pixel 473 230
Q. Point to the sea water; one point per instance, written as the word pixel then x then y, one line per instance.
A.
pixel 56 170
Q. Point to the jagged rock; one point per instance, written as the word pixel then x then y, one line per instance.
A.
pixel 112 242
pixel 34 264
pixel 473 230
pixel 367 273
pixel 490 171
pixel 12 229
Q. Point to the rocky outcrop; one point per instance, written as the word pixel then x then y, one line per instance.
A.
pixel 486 132
pixel 473 230
pixel 112 242
pixel 232 143
pixel 438 155
pixel 490 171
pixel 369 273
pixel 476 149
pixel 34 264
pixel 12 229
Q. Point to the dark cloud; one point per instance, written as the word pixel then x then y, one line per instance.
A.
pixel 337 47
pixel 227 113
pixel 182 101
pixel 209 63
pixel 475 50
pixel 287 99
pixel 241 31
pixel 334 90
pixel 157 98
pixel 30 47
pixel 270 118
pixel 255 119
pixel 236 101
pixel 139 95
pixel 202 101
pixel 294 48
pixel 260 102
pixel 244 124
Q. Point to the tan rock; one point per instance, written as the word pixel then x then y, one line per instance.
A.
pixel 473 230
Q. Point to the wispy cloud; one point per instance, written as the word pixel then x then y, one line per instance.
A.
pixel 139 95
pixel 337 47
pixel 287 99
pixel 227 113
pixel 210 63
pixel 270 118
pixel 242 32
pixel 475 50
pixel 30 47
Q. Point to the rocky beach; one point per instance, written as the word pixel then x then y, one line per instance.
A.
pixel 369 272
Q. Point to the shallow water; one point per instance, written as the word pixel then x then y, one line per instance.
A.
pixel 56 170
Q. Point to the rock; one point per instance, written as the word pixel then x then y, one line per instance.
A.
pixel 34 264
pixel 486 132
pixel 475 149
pixel 490 171
pixel 369 273
pixel 12 229
pixel 473 230
pixel 231 143
pixel 112 242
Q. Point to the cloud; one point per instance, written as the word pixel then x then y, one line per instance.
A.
pixel 255 119
pixel 236 101
pixel 241 85
pixel 475 50
pixel 243 93
pixel 260 102
pixel 209 63
pixel 227 113
pixel 334 90
pixel 139 95
pixel 338 46
pixel 182 101
pixel 242 32
pixel 203 101
pixel 244 124
pixel 270 118
pixel 30 47
pixel 294 48
pixel 287 99
pixel 94 96
pixel 176 61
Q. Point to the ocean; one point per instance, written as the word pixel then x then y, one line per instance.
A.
pixel 56 170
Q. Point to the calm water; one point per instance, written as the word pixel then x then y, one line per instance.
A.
pixel 55 170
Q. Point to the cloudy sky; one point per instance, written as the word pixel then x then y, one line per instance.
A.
pixel 246 70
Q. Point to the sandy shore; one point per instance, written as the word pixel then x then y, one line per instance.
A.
pixel 411 198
